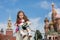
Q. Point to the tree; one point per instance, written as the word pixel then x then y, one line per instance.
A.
pixel 37 35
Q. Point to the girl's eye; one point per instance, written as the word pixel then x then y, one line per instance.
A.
pixel 20 14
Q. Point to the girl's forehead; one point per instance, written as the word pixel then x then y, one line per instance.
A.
pixel 21 13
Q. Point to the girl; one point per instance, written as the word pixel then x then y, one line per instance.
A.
pixel 21 22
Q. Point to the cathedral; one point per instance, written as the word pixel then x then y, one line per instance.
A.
pixel 52 27
pixel 9 32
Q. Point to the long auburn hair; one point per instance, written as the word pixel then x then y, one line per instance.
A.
pixel 24 17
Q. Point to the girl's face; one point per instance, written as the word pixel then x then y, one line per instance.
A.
pixel 21 15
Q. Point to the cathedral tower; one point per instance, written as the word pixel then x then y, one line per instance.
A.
pixel 54 13
pixel 46 27
pixel 9 30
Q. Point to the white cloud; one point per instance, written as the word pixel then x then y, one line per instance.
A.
pixel 45 5
pixel 42 4
pixel 3 26
pixel 35 23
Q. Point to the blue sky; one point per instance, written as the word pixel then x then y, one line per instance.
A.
pixel 32 8
pixel 36 11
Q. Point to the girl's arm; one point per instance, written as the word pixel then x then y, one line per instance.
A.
pixel 17 29
pixel 15 24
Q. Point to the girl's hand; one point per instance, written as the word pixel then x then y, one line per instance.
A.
pixel 29 23
pixel 17 29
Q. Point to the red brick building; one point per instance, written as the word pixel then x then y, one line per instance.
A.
pixel 7 36
pixel 9 32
